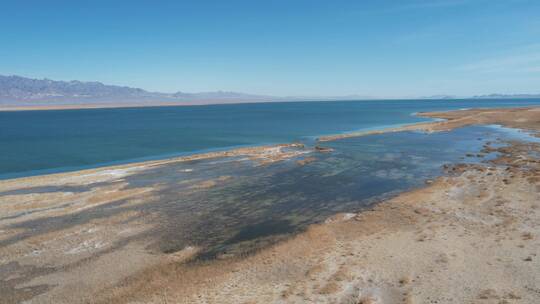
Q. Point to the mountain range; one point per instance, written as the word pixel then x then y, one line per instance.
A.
pixel 22 91
pixel 507 96
pixel 17 90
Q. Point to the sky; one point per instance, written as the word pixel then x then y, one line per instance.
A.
pixel 279 47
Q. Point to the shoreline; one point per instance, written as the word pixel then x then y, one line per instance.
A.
pixel 247 150
pixel 119 105
pixel 351 258
pixel 470 236
pixel 444 121
pixel 16 108
pixel 439 123
pixel 80 107
pixel 263 154
pixel 255 151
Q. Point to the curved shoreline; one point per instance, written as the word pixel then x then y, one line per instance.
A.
pixel 264 154
pixel 443 121
pixel 255 151
pixel 447 120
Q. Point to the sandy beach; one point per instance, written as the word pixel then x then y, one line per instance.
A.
pixel 470 236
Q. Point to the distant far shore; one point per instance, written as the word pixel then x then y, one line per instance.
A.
pixel 78 106
pixel 12 108
pixel 8 108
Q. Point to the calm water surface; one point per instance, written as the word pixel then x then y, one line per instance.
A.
pixel 38 142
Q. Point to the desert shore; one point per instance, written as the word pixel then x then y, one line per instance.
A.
pixel 471 236
pixel 9 108
pixel 109 105
pixel 520 118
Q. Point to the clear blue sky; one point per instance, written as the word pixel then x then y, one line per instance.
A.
pixel 289 47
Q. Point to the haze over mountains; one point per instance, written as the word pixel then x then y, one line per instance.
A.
pixel 22 91
pixel 16 90
pixel 507 96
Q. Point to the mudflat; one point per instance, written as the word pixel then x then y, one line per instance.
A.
pixel 470 236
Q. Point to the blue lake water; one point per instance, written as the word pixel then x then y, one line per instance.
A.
pixel 39 142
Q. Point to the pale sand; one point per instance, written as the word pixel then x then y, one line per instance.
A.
pixel 11 108
pixel 45 107
pixel 98 105
pixel 470 237
pixel 261 154
pixel 522 118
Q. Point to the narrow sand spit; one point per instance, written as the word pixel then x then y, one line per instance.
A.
pixel 522 118
pixel 472 236
pixel 64 237
pixel 261 154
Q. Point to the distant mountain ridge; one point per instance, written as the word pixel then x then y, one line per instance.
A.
pixel 439 97
pixel 507 96
pixel 21 90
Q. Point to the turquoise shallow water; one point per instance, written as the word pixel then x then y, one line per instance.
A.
pixel 39 142
pixel 259 205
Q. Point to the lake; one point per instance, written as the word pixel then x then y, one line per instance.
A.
pixel 40 142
